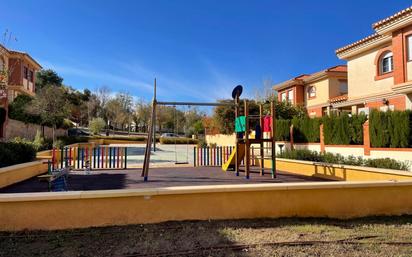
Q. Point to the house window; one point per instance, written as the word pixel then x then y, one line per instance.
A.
pixel 283 97
pixel 31 76
pixel 311 92
pixel 1 64
pixel 386 63
pixel 290 96
pixel 26 73
pixel 343 86
pixel 409 45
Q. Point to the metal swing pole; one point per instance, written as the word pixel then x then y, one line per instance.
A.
pixel 154 118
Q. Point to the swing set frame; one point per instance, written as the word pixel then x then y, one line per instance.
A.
pixel 151 136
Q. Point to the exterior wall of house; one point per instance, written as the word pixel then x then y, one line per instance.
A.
pixel 398 102
pixel 315 111
pixel 16 71
pixel 298 94
pixel 322 93
pixel 361 76
pixel 334 86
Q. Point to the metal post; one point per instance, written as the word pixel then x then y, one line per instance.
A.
pixel 237 139
pixel 247 143
pixel 273 133
pixel 262 152
pixel 154 117
pixel 125 158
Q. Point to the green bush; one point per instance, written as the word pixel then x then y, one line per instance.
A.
pixel 201 143
pixel 306 130
pixel 16 151
pixel 180 140
pixel 343 129
pixel 307 155
pixel 96 125
pixel 129 138
pixel 17 110
pixel 390 129
pixel 283 130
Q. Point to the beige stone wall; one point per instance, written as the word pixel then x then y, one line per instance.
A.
pixel 322 93
pixel 221 139
pixel 361 76
pixel 15 128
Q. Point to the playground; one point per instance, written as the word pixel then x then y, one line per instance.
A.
pixel 151 183
pixel 160 177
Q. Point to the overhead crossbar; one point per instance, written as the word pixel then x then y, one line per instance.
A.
pixel 195 103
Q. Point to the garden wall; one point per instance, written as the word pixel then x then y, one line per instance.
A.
pixel 221 139
pixel 15 128
pixel 66 210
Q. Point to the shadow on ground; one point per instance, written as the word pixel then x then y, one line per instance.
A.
pixel 259 237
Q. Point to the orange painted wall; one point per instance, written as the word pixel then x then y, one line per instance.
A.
pixel 297 94
pixel 317 110
pixel 398 102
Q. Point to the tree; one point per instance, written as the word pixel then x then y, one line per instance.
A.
pixel 51 105
pixel 142 115
pixel 96 125
pixel 47 78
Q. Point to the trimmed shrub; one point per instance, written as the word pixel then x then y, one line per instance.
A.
pixel 390 129
pixel 16 151
pixel 180 140
pixel 283 130
pixel 343 129
pixel 307 155
pixel 306 130
pixel 96 125
pixel 129 138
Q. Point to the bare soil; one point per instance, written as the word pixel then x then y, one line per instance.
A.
pixel 375 236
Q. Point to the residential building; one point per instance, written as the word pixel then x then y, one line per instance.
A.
pixel 316 91
pixel 378 74
pixel 18 70
pixel 380 66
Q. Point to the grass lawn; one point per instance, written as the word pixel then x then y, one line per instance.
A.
pixel 376 236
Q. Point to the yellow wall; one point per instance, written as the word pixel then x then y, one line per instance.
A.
pixel 120 207
pixel 361 75
pixel 322 93
pixel 409 71
pixel 221 139
pixel 338 172
pixel 16 173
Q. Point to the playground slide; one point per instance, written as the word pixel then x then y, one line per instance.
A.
pixel 230 164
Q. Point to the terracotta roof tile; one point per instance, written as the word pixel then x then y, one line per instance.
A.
pixel 339 98
pixel 392 17
pixel 359 42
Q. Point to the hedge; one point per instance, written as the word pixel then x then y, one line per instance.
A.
pixel 343 129
pixel 306 130
pixel 390 129
pixel 283 130
pixel 129 138
pixel 180 140
pixel 307 155
pixel 16 152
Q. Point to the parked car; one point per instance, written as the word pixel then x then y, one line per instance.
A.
pixel 78 132
pixel 169 135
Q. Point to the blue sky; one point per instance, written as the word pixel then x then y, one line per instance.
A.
pixel 197 50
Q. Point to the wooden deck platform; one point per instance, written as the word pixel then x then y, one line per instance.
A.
pixel 158 177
